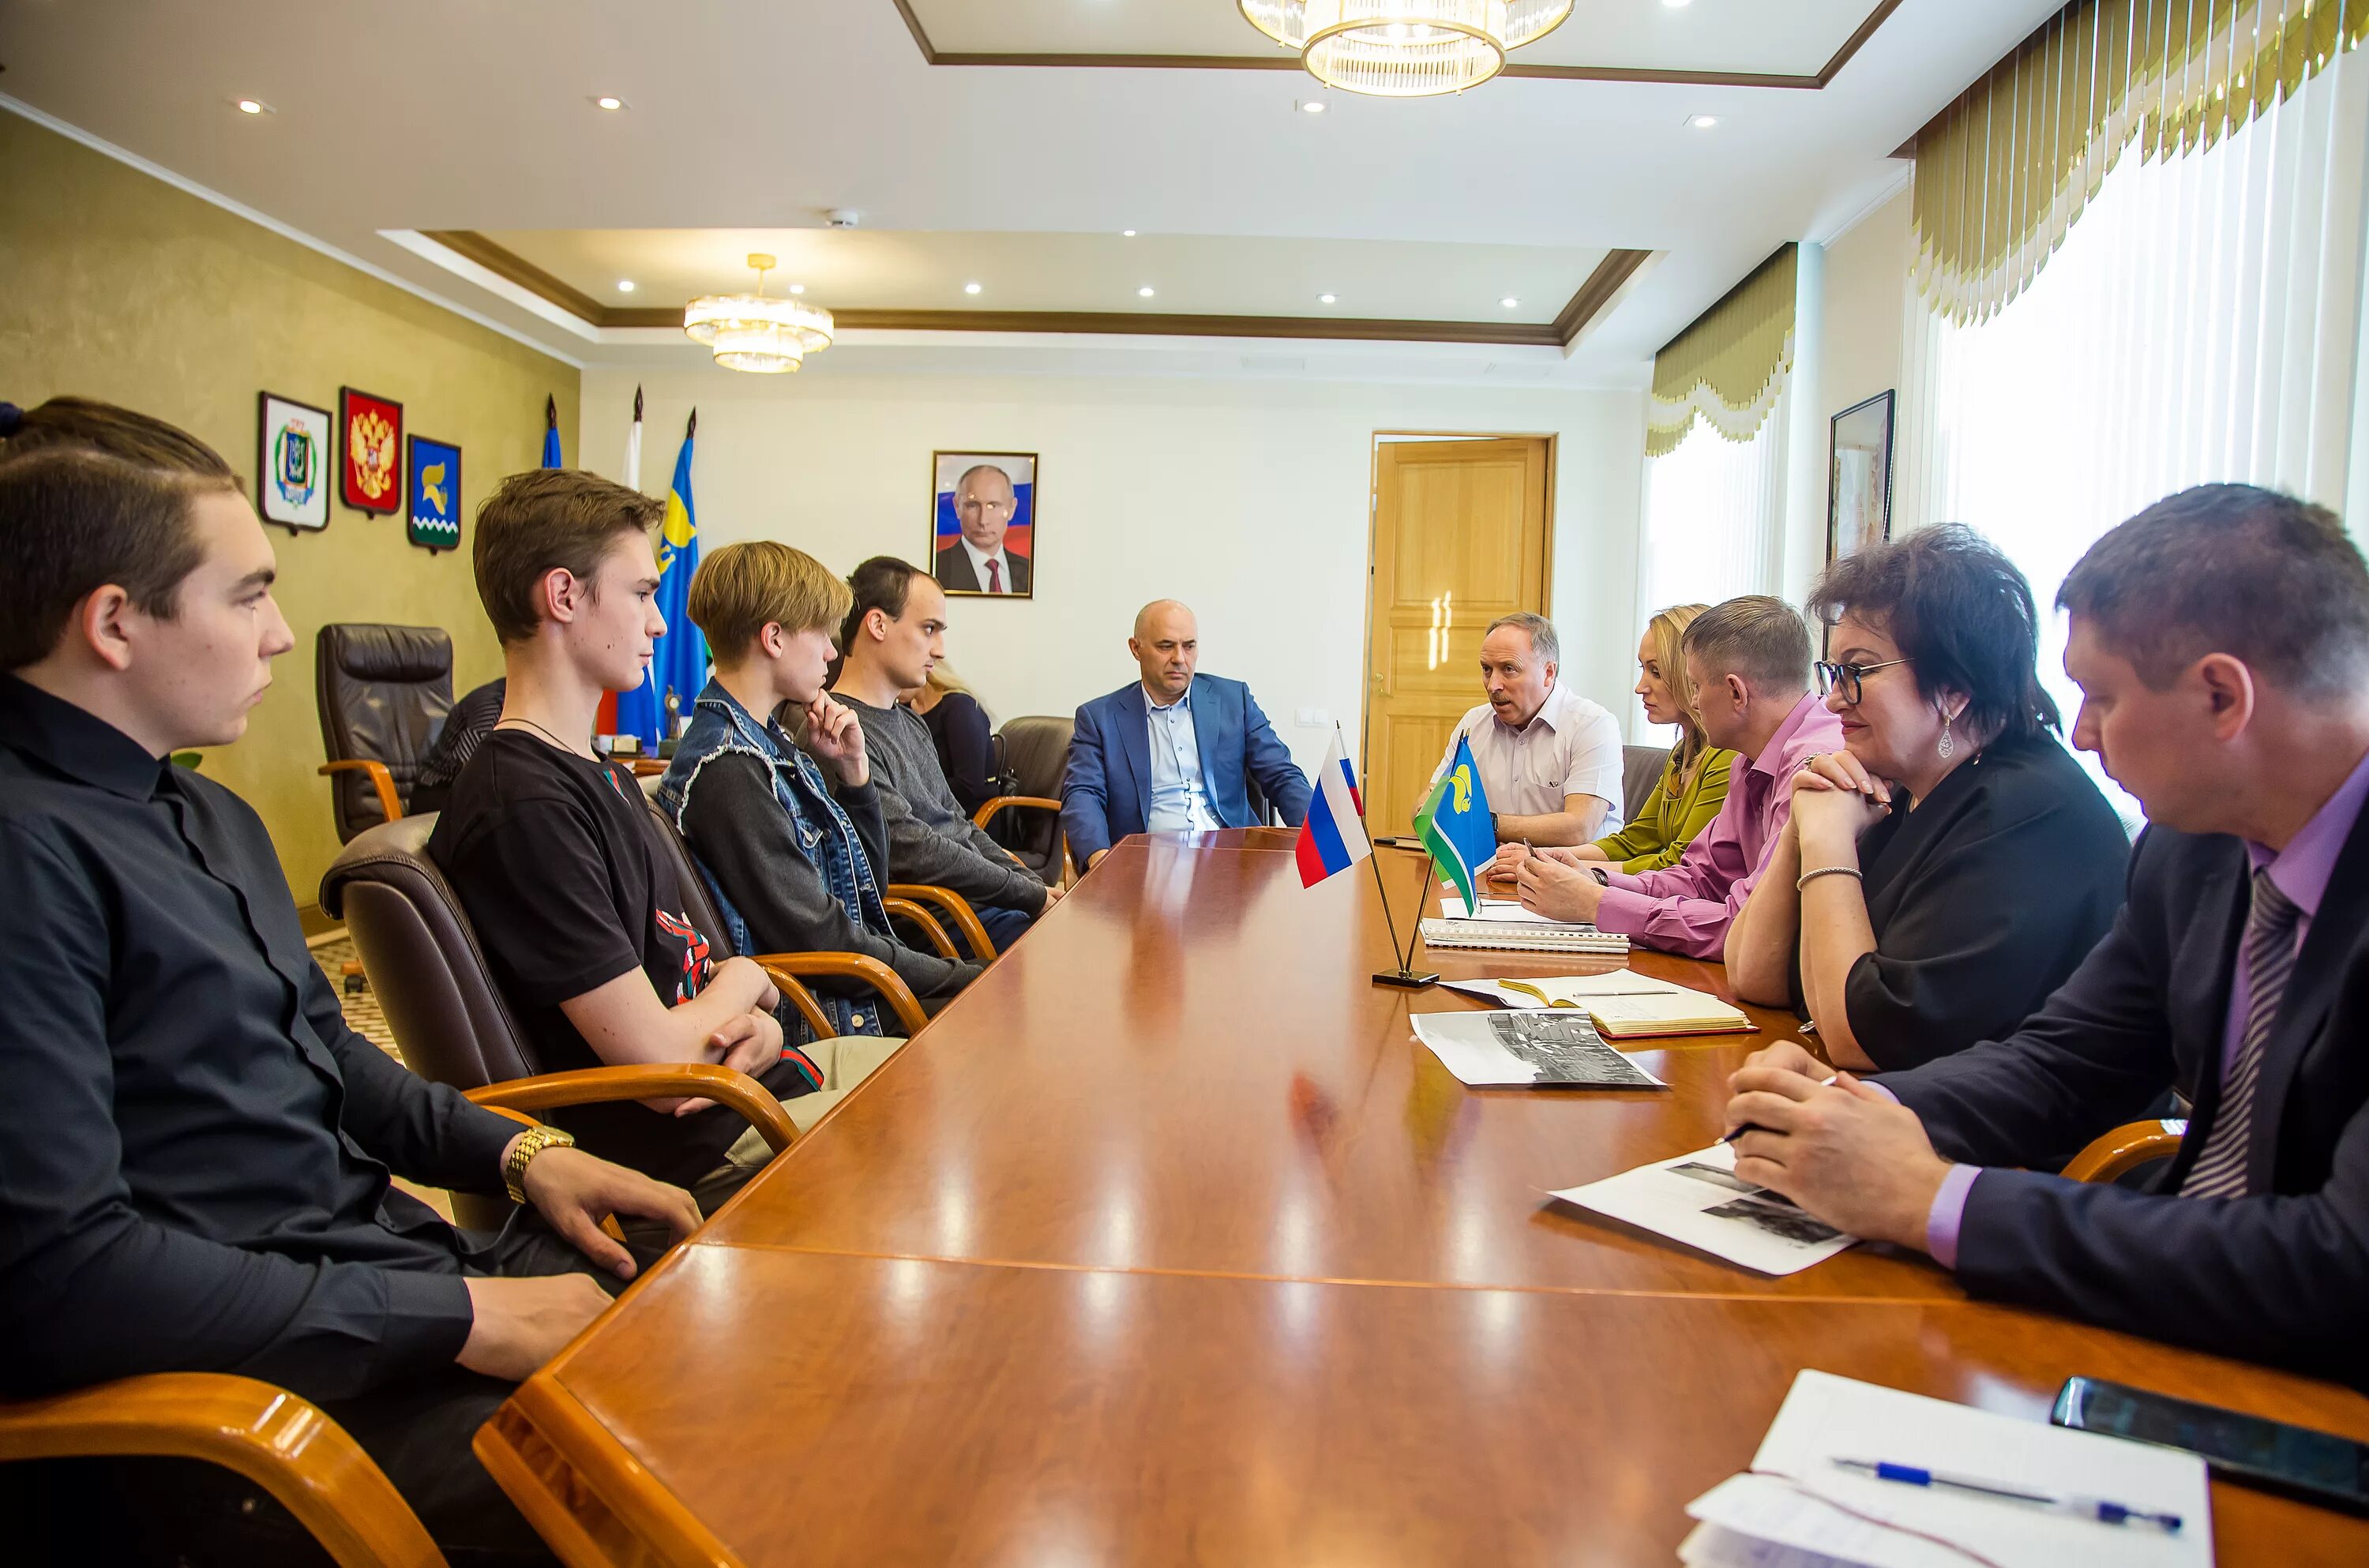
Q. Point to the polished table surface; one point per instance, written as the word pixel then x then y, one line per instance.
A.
pixel 1166 1243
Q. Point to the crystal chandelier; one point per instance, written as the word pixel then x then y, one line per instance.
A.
pixel 1404 49
pixel 751 332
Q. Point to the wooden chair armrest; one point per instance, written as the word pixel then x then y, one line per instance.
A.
pixel 381 781
pixel 808 1007
pixel 2114 1154
pixel 986 813
pixel 646 1080
pixel 267 1435
pixel 905 908
pixel 958 910
pixel 852 965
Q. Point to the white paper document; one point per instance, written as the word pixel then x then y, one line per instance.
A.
pixel 1797 1498
pixel 1502 911
pixel 1494 1050
pixel 1698 1200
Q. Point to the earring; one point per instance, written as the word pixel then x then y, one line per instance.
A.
pixel 1948 742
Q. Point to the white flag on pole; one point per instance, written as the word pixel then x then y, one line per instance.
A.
pixel 634 446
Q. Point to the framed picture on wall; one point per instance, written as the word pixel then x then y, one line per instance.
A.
pixel 291 462
pixel 1859 478
pixel 370 435
pixel 435 472
pixel 983 522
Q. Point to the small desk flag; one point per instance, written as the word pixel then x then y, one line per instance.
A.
pixel 680 665
pixel 1332 836
pixel 1453 825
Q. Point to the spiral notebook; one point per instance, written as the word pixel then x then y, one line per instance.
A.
pixel 1509 936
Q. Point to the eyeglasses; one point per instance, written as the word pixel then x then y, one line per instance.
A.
pixel 1847 676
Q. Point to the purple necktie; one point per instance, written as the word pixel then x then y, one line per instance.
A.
pixel 995 576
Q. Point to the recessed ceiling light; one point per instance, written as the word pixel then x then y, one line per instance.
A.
pixel 253 106
pixel 624 285
pixel 1126 234
pixel 1702 122
pixel 608 100
pixel 1510 302
pixel 797 288
pixel 1144 292
pixel 970 288
pixel 1324 299
pixel 1310 106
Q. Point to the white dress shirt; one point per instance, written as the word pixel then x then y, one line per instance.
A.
pixel 1571 746
pixel 979 560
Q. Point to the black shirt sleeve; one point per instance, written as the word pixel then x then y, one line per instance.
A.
pixel 424 1132
pixel 967 747
pixel 744 839
pixel 536 887
pixel 90 1288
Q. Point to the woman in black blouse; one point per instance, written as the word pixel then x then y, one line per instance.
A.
pixel 1945 872
pixel 963 733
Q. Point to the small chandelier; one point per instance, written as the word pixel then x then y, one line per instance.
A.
pixel 751 332
pixel 1404 49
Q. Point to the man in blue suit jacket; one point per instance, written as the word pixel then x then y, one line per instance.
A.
pixel 1171 753
pixel 2221 642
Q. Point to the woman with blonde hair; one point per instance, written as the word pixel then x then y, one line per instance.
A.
pixel 1694 781
pixel 962 730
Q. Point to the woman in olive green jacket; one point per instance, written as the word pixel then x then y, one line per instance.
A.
pixel 1693 784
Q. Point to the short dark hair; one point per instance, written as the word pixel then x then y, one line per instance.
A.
pixel 2229 569
pixel 73 519
pixel 93 426
pixel 1958 607
pixel 1756 636
pixel 882 583
pixel 546 520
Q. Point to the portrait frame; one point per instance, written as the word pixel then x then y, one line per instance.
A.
pixel 432 472
pixel 950 564
pixel 1858 476
pixel 278 498
pixel 370 472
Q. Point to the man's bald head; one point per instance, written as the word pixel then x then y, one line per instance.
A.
pixel 984 502
pixel 1167 646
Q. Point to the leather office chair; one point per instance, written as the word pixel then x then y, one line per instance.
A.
pixel 454 1028
pixel 383 693
pixel 1641 770
pixel 1036 751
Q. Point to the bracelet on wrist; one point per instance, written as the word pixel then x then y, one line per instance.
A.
pixel 1816 872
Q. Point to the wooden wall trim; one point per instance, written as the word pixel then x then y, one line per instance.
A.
pixel 1593 293
pixel 933 56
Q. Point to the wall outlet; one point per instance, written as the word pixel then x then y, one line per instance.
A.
pixel 1314 718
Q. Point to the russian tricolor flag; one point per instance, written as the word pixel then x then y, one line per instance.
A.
pixel 1334 837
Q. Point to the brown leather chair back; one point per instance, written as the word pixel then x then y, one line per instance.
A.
pixel 1641 770
pixel 423 959
pixel 383 693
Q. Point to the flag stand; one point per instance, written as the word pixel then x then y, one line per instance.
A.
pixel 1405 978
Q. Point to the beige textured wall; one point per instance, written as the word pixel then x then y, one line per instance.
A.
pixel 116 285
pixel 1866 309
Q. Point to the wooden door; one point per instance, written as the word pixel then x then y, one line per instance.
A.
pixel 1460 539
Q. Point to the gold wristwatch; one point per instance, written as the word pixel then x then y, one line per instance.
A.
pixel 531 1142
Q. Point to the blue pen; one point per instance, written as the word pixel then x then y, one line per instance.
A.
pixel 2096 1509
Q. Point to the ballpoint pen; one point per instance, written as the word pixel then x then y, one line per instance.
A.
pixel 2096 1508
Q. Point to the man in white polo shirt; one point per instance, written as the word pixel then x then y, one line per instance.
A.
pixel 1550 759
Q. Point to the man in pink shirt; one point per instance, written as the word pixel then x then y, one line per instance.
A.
pixel 1749 662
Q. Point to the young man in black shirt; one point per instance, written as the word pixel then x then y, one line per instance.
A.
pixel 197 1149
pixel 549 846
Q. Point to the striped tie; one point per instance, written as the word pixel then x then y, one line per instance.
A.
pixel 2220 1169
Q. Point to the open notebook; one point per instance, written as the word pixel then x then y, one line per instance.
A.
pixel 1624 1006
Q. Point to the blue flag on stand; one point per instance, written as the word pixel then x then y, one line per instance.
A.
pixel 551 433
pixel 680 665
pixel 1453 825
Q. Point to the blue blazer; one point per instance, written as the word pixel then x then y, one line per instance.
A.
pixel 1107 792
pixel 2278 1277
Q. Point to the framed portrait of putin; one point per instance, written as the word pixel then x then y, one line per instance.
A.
pixel 983 522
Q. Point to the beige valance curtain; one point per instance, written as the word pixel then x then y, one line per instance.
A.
pixel 2002 172
pixel 1730 365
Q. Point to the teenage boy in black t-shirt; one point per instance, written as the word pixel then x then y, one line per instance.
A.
pixel 549 849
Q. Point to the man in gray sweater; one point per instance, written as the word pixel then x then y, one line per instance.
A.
pixel 894 634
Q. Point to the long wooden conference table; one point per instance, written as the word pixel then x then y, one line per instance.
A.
pixel 1166 1243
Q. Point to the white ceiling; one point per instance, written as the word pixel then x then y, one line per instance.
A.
pixel 1765 37
pixel 457 114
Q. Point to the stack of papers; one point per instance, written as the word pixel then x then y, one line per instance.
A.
pixel 1698 1199
pixel 1622 1004
pixel 1503 923
pixel 1512 1050
pixel 1797 1508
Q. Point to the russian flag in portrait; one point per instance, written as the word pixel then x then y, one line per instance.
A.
pixel 1333 837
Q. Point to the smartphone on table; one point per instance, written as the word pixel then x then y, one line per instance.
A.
pixel 2316 1467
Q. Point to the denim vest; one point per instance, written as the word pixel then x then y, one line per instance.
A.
pixel 823 834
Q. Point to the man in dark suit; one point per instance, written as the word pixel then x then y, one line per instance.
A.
pixel 976 563
pixel 2221 642
pixel 1172 751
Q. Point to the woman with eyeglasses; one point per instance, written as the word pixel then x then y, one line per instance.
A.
pixel 1949 868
